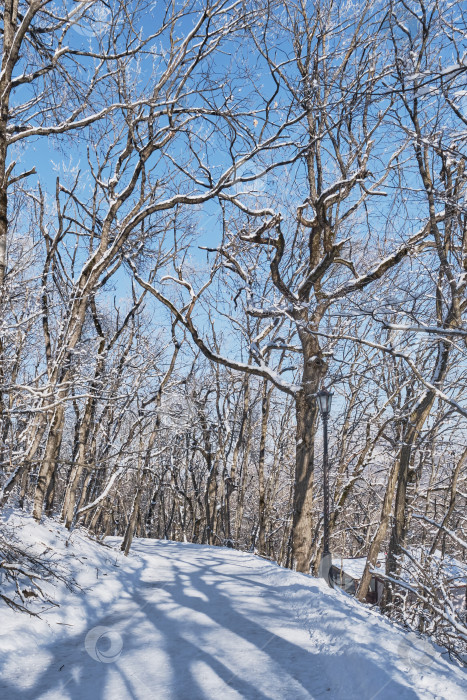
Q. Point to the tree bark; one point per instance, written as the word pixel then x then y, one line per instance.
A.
pixel 265 405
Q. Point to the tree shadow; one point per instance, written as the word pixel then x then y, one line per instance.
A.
pixel 210 625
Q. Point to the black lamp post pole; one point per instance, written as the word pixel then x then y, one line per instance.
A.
pixel 325 486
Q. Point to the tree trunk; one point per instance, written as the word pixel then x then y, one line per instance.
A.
pixel 401 511
pixel 48 465
pixel 381 531
pixel 265 404
pixel 306 413
pixel 133 519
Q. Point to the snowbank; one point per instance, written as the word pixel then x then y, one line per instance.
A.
pixel 179 621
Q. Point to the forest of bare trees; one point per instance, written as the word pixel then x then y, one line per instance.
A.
pixel 209 210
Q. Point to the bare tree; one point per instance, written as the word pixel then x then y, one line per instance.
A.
pixel 313 259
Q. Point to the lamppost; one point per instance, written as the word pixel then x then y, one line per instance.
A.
pixel 324 401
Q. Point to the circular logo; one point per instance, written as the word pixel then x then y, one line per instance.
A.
pixel 250 180
pixel 415 652
pixel 94 21
pixel 103 644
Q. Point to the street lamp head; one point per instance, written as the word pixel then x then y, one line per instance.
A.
pixel 324 400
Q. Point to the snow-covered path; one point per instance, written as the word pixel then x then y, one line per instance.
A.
pixel 179 621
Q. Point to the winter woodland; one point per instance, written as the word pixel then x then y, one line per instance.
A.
pixel 209 211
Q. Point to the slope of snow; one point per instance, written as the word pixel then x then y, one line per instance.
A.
pixel 179 621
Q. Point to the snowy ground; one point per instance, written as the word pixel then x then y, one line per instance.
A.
pixel 184 622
